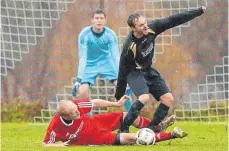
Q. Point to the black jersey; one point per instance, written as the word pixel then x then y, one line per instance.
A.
pixel 137 53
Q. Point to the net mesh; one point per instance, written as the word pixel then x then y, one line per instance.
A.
pixel 23 23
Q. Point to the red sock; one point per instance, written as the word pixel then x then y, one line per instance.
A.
pixel 144 122
pixel 163 136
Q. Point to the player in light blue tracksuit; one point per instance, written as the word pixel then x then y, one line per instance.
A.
pixel 98 56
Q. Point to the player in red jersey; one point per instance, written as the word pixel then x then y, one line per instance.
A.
pixel 72 126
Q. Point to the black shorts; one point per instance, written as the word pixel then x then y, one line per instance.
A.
pixel 145 82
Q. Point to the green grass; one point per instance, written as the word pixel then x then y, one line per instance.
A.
pixel 202 137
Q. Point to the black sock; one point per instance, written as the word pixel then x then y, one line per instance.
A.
pixel 133 113
pixel 160 113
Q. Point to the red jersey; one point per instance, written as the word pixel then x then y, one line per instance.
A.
pixel 87 130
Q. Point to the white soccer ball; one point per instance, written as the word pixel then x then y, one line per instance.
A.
pixel 145 136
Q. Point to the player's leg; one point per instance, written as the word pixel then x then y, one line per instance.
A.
pixel 114 120
pixel 109 121
pixel 160 91
pixel 164 124
pixel 140 122
pixel 83 91
pixel 109 138
pixel 160 113
pixel 130 138
pixel 138 85
pixel 125 139
pixel 176 133
pixel 87 81
pixel 143 122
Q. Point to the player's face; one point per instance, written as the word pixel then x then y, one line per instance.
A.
pixel 73 113
pixel 99 21
pixel 141 28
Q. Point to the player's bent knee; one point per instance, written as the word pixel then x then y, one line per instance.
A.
pixel 144 98
pixel 167 99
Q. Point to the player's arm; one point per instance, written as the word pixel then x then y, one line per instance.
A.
pixel 82 48
pixel 160 25
pixel 124 69
pixel 54 145
pixel 99 103
pixel 51 136
pixel 114 48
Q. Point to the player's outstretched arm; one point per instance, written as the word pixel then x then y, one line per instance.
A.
pixel 104 103
pixel 54 145
pixel 160 25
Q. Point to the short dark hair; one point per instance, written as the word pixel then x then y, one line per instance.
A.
pixel 98 11
pixel 132 18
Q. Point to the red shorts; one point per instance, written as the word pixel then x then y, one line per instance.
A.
pixel 98 129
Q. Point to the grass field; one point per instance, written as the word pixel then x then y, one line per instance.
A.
pixel 202 137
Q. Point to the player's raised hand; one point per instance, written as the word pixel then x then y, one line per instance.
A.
pixel 203 8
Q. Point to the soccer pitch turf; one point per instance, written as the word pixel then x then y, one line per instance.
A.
pixel 202 137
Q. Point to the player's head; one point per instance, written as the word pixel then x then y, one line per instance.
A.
pixel 98 20
pixel 68 110
pixel 138 24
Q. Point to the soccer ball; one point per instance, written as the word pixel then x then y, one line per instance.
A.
pixel 145 136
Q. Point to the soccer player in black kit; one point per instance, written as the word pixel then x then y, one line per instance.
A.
pixel 135 65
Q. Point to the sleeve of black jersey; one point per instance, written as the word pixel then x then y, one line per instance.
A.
pixel 160 25
pixel 124 69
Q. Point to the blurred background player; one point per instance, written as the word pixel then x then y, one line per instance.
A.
pixel 136 61
pixel 72 126
pixel 98 56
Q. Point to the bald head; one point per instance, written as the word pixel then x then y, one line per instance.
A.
pixel 67 109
